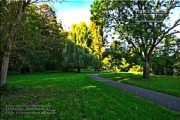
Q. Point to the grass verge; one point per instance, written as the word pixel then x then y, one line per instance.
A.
pixel 75 96
pixel 161 83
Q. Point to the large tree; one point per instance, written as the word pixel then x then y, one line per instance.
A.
pixel 75 56
pixel 96 39
pixel 143 24
pixel 97 19
pixel 26 41
pixel 38 41
pixel 52 34
pixel 11 14
pixel 96 30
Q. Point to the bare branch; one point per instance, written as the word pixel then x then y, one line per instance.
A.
pixel 165 33
pixel 172 33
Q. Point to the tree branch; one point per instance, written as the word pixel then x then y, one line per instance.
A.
pixel 175 25
pixel 172 33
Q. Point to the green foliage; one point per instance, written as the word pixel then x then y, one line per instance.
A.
pixel 164 57
pixel 79 34
pixel 106 65
pixel 177 65
pixel 129 20
pixel 117 58
pixel 163 65
pixel 78 56
pixel 75 57
pixel 83 54
pixel 96 18
pixel 124 65
pixel 96 63
pixel 112 56
pixel 96 39
pixel 67 55
pixel 38 41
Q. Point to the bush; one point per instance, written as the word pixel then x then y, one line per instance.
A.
pixel 13 73
pixel 135 68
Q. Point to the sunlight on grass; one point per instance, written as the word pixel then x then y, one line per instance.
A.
pixel 88 87
pixel 78 97
pixel 124 79
pixel 117 77
pixel 54 78
pixel 133 72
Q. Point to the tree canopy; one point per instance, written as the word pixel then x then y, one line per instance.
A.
pixel 141 23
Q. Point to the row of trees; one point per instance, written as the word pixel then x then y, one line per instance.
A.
pixel 37 42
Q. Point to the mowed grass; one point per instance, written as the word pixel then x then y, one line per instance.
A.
pixel 161 83
pixel 75 97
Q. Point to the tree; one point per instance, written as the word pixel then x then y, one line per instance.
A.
pixel 32 50
pixel 75 57
pixel 67 55
pixel 11 14
pixel 11 11
pixel 141 23
pixel 96 38
pixel 79 34
pixel 97 18
pixel 120 57
pixel 96 63
pixel 82 54
pixel 78 58
pixel 53 37
pixel 166 53
pixel 26 43
pixel 177 65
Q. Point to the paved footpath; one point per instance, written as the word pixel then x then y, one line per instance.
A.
pixel 160 98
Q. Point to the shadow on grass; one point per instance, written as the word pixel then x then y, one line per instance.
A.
pixel 76 96
pixel 9 89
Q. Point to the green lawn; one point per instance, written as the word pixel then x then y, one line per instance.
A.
pixel 161 83
pixel 77 97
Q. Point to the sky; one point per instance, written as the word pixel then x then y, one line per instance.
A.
pixel 74 11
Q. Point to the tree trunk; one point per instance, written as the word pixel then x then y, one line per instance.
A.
pixel 95 69
pixel 146 72
pixel 7 51
pixel 79 70
pixel 4 67
pixel 66 69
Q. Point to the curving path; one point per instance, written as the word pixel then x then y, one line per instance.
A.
pixel 160 98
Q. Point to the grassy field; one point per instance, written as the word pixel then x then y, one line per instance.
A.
pixel 161 83
pixel 74 96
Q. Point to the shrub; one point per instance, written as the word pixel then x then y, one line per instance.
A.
pixel 135 68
